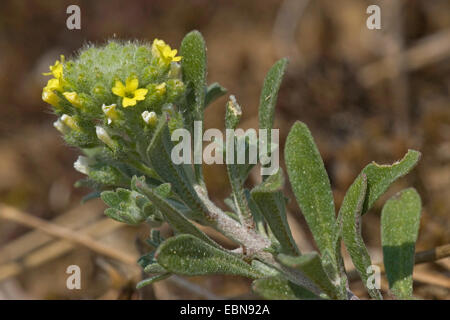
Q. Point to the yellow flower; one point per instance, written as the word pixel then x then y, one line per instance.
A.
pixel 129 92
pixel 57 82
pixel 50 97
pixel 111 112
pixel 73 98
pixel 164 52
pixel 57 69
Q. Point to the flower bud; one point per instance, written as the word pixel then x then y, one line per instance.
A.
pixel 82 164
pixel 175 71
pixel 50 97
pixel 60 126
pixel 70 122
pixel 150 118
pixel 103 136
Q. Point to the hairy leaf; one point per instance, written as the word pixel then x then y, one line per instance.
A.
pixel 269 94
pixel 311 185
pixel 213 92
pixel 350 220
pixel 159 153
pixel 311 266
pixel 400 221
pixel 174 217
pixel 151 280
pixel 193 63
pixel 271 204
pixel 190 256
pixel 279 288
pixel 380 177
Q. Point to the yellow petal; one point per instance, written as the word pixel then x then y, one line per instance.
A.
pixel 176 59
pixel 118 89
pixel 50 97
pixel 73 98
pixel 132 84
pixel 128 102
pixel 139 94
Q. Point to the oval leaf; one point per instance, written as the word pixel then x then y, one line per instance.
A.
pixel 190 256
pixel 310 184
pixel 400 221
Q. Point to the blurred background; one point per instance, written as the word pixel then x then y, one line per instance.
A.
pixel 365 94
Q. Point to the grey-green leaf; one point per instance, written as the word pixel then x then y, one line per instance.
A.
pixel 190 256
pixel 400 221
pixel 380 177
pixel 269 94
pixel 174 217
pixel 270 201
pixel 151 280
pixel 159 153
pixel 311 266
pixel 310 184
pixel 350 221
pixel 193 63
pixel 213 92
pixel 279 288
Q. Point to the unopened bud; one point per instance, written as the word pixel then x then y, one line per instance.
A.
pixel 70 122
pixel 150 118
pixel 103 136
pixel 82 164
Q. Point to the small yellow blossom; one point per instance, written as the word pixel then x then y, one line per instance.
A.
pixel 110 112
pixel 164 52
pixel 73 98
pixel 129 92
pixel 161 89
pixel 56 70
pixel 50 97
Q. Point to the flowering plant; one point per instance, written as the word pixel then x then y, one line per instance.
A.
pixel 120 103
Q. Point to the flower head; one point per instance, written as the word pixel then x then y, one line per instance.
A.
pixel 164 52
pixel 129 92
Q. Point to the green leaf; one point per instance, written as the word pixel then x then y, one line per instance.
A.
pixel 193 63
pixel 311 266
pixel 127 206
pixel 350 220
pixel 380 177
pixel 311 185
pixel 174 217
pixel 159 153
pixel 151 280
pixel 400 220
pixel 279 288
pixel 271 204
pixel 190 256
pixel 213 92
pixel 269 94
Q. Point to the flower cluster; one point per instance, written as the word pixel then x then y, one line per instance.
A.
pixel 108 100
